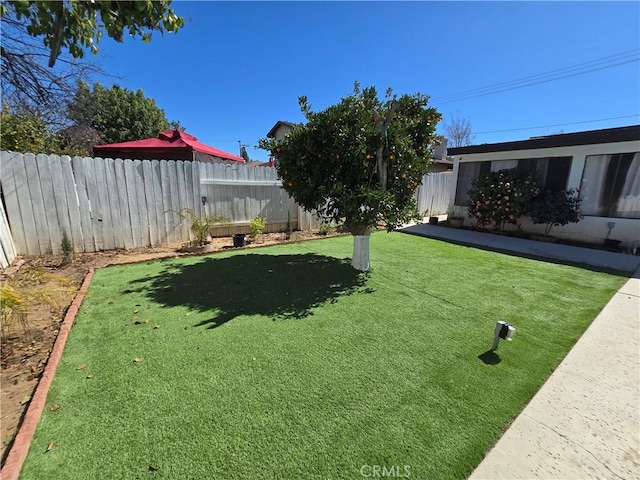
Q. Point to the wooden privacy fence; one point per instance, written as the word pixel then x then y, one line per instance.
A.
pixel 433 196
pixel 104 204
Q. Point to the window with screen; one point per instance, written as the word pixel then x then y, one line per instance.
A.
pixel 552 173
pixel 610 185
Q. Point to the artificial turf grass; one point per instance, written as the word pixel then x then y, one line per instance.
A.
pixel 285 363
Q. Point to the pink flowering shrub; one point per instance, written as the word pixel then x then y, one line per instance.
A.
pixel 501 197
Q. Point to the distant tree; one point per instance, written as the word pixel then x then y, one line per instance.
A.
pixel 116 114
pixel 244 154
pixel 358 161
pixel 23 132
pixel 176 125
pixel 77 140
pixel 458 130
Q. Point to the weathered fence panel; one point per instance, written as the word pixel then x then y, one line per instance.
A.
pixel 99 203
pixel 433 196
pixel 104 204
pixel 240 193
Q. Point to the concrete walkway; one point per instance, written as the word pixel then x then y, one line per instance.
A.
pixel 544 250
pixel 584 423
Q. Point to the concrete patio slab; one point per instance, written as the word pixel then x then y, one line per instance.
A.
pixel 543 250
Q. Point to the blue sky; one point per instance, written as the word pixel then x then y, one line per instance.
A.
pixel 238 67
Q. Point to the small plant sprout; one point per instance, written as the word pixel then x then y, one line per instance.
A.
pixel 67 247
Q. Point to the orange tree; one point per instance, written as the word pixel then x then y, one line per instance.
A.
pixel 359 161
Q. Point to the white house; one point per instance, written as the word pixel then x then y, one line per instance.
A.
pixel 603 165
pixel 280 129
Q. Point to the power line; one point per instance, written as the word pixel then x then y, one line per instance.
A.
pixel 557 124
pixel 610 61
pixel 627 55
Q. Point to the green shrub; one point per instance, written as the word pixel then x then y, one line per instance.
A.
pixel 557 208
pixel 325 229
pixel 201 226
pixel 256 226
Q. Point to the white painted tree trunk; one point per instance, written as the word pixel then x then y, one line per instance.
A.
pixel 360 259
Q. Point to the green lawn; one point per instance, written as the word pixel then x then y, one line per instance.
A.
pixel 283 362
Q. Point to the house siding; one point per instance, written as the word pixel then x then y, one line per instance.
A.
pixel 591 229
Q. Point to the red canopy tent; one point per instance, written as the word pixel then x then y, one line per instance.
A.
pixel 170 145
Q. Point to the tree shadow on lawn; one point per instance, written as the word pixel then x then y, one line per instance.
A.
pixel 277 286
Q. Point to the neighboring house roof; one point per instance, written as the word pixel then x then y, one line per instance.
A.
pixel 444 162
pixel 279 123
pixel 169 145
pixel 608 135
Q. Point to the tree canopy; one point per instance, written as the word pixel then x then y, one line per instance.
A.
pixel 22 132
pixel 360 160
pixel 78 25
pixel 117 114
pixel 37 34
pixel 98 116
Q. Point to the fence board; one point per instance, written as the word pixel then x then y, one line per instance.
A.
pixel 7 248
pixel 147 174
pixel 94 204
pixel 159 200
pixel 26 211
pixel 60 199
pixel 46 185
pixel 174 219
pixel 10 192
pixel 80 174
pixel 166 201
pixel 193 185
pixel 37 205
pixel 117 216
pixel 132 202
pixel 105 216
pixel 182 199
pixel 123 201
pixel 72 203
pixel 143 214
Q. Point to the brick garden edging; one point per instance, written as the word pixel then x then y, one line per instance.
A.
pixel 20 449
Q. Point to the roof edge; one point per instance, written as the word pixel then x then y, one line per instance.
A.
pixel 278 124
pixel 590 137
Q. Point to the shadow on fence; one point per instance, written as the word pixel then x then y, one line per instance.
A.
pixel 276 286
